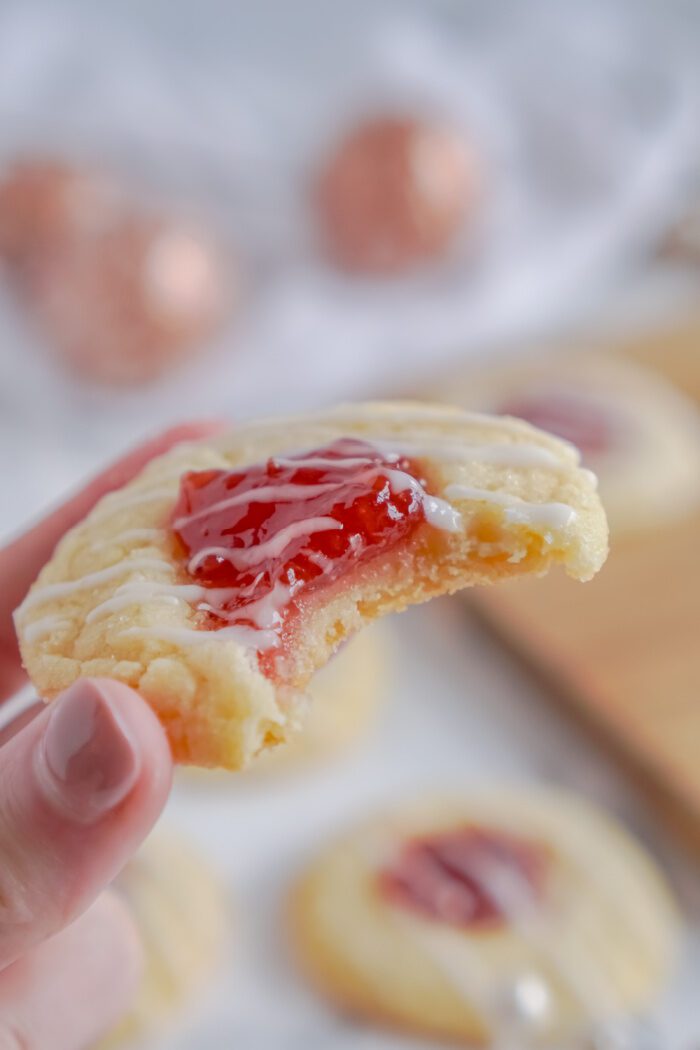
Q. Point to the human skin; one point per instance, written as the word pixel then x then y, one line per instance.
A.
pixel 81 784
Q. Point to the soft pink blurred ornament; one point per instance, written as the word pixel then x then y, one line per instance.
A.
pixel 44 201
pixel 682 242
pixel 130 303
pixel 395 194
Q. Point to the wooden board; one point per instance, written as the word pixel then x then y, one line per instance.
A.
pixel 673 350
pixel 625 648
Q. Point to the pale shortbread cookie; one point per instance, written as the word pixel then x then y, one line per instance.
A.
pixel 117 598
pixel 598 944
pixel 181 912
pixel 638 432
pixel 345 699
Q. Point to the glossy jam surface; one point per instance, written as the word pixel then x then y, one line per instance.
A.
pixel 587 425
pixel 267 537
pixel 471 877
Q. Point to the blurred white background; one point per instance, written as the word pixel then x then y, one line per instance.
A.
pixel 585 116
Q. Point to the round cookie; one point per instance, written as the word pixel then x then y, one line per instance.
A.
pixel 224 575
pixel 523 915
pixel 638 433
pixel 180 911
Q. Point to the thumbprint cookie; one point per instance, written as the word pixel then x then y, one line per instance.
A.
pixel 522 918
pixel 224 575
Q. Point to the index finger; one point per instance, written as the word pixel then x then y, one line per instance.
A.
pixel 22 558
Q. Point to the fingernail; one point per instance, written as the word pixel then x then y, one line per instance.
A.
pixel 87 760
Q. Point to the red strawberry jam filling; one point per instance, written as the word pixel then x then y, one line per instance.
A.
pixel 588 426
pixel 264 539
pixel 473 877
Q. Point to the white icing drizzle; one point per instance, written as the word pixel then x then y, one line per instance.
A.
pixel 49 591
pixel 441 514
pixel 247 637
pixel 321 560
pixel 458 960
pixel 265 612
pixel 555 516
pixel 244 557
pixel 265 494
pixel 461 963
pixel 150 590
pixel 322 462
pixel 591 477
pixel 364 416
pixel 438 512
pixel 118 501
pixel 43 627
pixel 128 536
pixel 610 879
pixel 510 454
pixel 507 453
pixel 429 414
pixel 261 634
pixel 511 892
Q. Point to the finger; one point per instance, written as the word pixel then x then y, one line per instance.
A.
pixel 80 787
pixel 73 988
pixel 21 560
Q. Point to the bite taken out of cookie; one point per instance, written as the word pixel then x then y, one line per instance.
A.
pixel 229 570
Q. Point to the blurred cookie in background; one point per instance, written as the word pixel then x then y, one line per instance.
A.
pixel 681 244
pixel 345 698
pixel 395 193
pixel 43 202
pixel 128 304
pixel 181 913
pixel 637 432
pixel 520 915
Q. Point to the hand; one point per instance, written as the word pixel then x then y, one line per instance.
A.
pixel 82 781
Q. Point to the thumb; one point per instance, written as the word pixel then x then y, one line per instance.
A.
pixel 75 986
pixel 80 787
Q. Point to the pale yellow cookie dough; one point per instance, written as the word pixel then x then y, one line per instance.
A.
pixel 601 944
pixel 345 698
pixel 110 600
